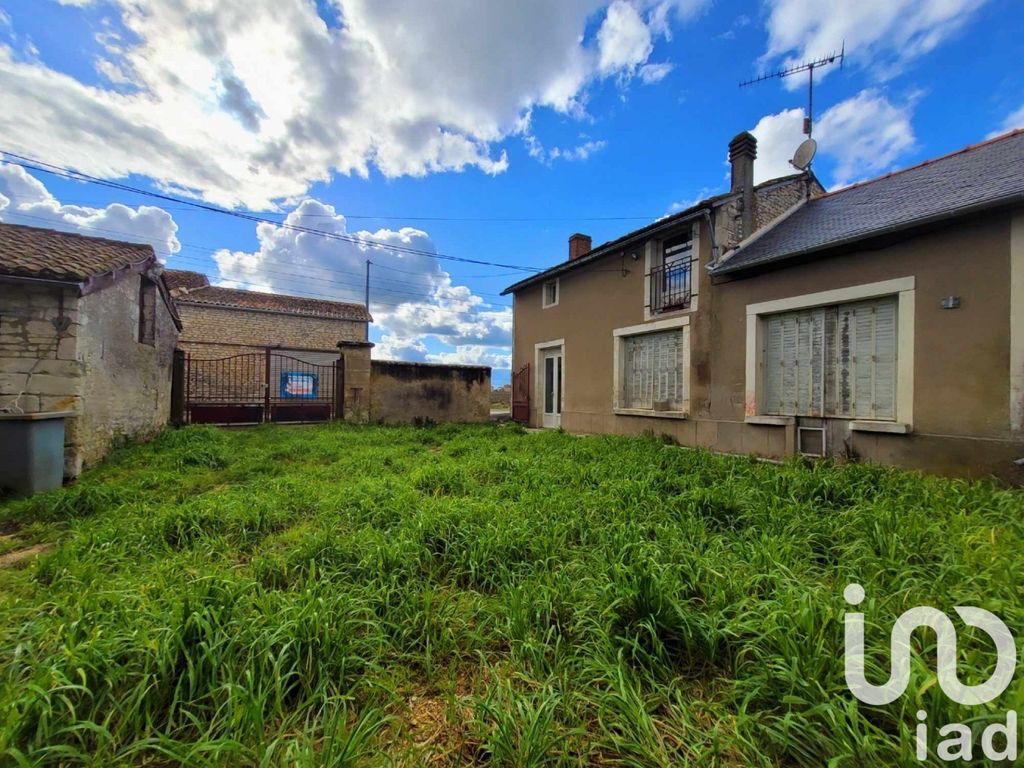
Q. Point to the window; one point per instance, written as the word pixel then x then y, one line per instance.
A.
pixel 147 311
pixel 671 279
pixel 836 360
pixel 550 293
pixel 654 371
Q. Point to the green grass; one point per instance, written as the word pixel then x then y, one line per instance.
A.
pixel 349 596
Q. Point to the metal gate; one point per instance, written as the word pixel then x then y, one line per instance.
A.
pixel 257 387
pixel 521 395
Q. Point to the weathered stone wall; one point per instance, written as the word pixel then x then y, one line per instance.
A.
pixel 406 392
pixel 126 387
pixel 225 325
pixel 39 369
pixel 59 352
pixel 770 202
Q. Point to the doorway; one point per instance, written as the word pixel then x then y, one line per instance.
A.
pixel 552 387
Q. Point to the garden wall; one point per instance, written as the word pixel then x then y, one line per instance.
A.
pixel 408 392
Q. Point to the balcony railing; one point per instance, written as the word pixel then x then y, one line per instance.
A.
pixel 670 287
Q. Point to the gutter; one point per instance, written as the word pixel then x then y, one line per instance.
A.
pixel 52 282
pixel 875 233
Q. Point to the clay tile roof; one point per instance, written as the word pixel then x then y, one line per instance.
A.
pixel 46 253
pixel 177 279
pixel 216 296
pixel 979 177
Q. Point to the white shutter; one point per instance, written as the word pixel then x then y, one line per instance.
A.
pixel 867 361
pixel 794 359
pixel 655 371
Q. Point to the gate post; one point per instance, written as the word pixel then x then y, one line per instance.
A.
pixel 266 388
pixel 178 388
pixel 339 388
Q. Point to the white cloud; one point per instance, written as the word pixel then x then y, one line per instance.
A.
pixel 1013 121
pixel 623 41
pixel 581 151
pixel 865 135
pixel 880 34
pixel 250 103
pixel 777 136
pixel 653 73
pixel 474 355
pixel 412 297
pixel 26 200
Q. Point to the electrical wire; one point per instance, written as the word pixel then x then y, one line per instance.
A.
pixel 41 166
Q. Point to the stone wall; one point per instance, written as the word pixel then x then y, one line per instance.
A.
pixel 228 325
pixel 39 369
pixel 126 392
pixel 408 392
pixel 59 352
pixel 770 202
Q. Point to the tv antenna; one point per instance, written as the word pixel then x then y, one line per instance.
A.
pixel 808 67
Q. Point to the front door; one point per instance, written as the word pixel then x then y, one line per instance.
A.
pixel 551 383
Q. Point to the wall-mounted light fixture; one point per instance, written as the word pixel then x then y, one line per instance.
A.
pixel 951 302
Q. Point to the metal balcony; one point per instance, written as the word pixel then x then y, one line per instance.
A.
pixel 670 287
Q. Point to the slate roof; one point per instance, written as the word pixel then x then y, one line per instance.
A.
pixel 233 298
pixel 52 255
pixel 975 178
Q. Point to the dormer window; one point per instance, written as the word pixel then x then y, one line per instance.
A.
pixel 550 293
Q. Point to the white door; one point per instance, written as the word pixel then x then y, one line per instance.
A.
pixel 551 385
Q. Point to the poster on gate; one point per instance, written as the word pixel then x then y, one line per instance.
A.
pixel 299 385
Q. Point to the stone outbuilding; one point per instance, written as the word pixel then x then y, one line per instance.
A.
pixel 87 325
pixel 221 322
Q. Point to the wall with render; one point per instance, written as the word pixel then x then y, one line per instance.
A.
pixel 410 392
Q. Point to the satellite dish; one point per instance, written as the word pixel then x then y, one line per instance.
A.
pixel 804 154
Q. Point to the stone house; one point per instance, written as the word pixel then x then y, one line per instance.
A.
pixel 86 325
pixel 220 322
pixel 882 322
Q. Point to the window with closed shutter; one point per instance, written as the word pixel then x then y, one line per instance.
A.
pixel 655 371
pixel 832 361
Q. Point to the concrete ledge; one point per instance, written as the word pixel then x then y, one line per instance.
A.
pixel 38 416
pixel 891 427
pixel 770 421
pixel 651 414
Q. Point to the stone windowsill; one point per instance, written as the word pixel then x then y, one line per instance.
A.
pixel 890 427
pixel 770 421
pixel 651 414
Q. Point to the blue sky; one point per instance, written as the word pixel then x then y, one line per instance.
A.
pixel 484 130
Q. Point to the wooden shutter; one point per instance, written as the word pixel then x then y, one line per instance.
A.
pixel 793 360
pixel 655 371
pixel 866 359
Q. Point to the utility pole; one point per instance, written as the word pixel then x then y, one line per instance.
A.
pixel 367 297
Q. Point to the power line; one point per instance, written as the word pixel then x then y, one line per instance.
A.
pixel 290 279
pixel 178 256
pixel 68 173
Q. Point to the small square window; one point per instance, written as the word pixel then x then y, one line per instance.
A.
pixel 550 293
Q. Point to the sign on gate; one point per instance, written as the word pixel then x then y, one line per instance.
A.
pixel 299 385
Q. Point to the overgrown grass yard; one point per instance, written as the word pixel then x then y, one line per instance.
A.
pixel 349 596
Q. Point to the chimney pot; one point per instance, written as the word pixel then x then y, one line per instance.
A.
pixel 579 244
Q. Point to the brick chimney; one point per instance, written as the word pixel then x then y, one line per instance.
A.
pixel 579 245
pixel 742 151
